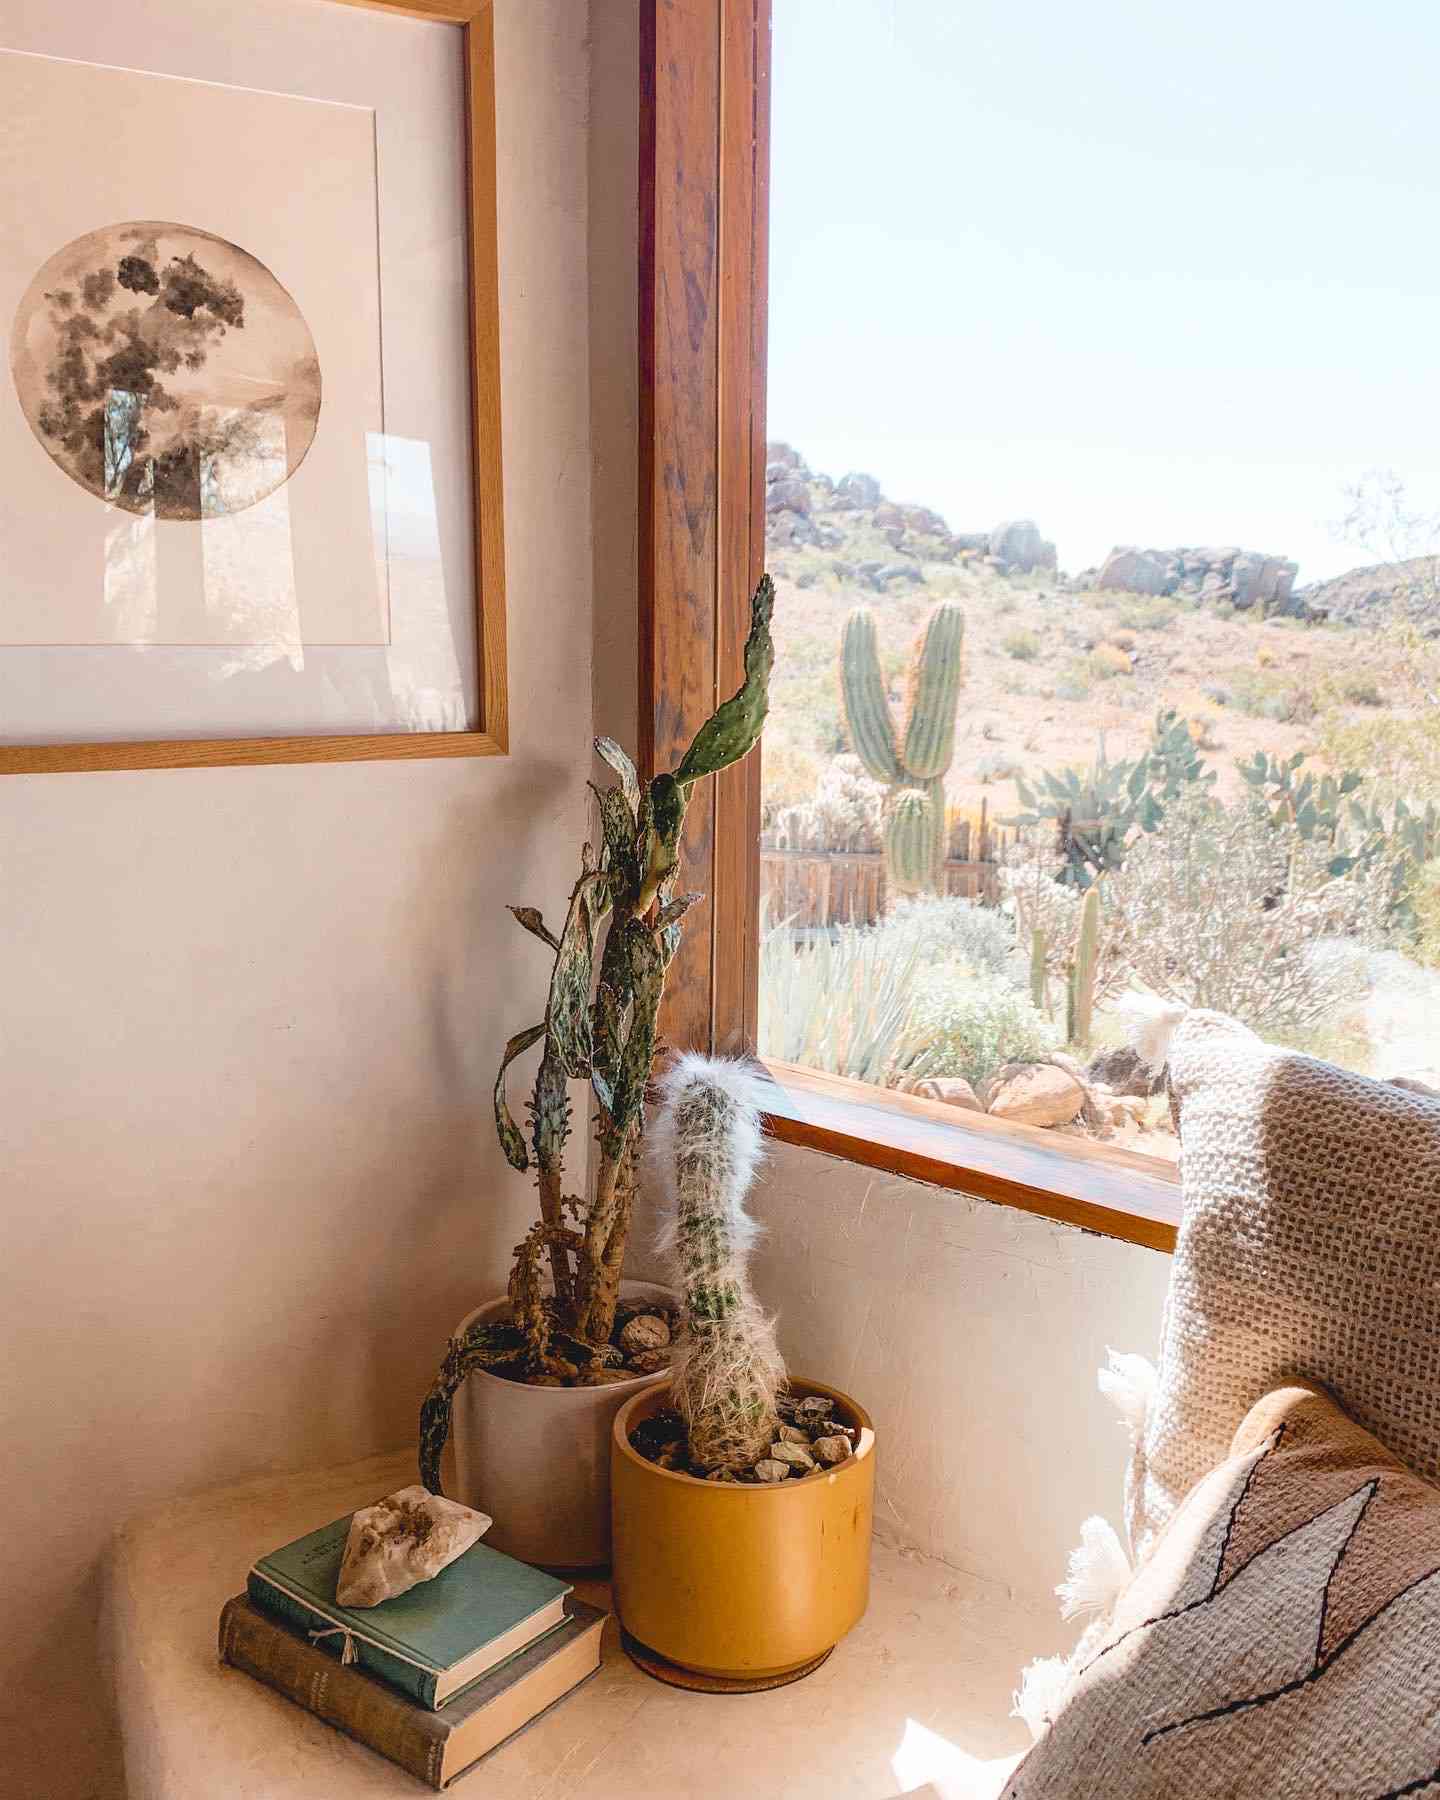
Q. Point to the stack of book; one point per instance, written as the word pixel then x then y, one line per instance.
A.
pixel 434 1679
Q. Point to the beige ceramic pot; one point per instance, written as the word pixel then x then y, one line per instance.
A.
pixel 737 1581
pixel 537 1459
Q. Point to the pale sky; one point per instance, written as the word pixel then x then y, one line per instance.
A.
pixel 1145 273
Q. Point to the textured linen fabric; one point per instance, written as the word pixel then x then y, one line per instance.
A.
pixel 1281 1639
pixel 1309 1249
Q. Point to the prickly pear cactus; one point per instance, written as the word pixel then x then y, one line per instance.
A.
pixel 726 1369
pixel 912 760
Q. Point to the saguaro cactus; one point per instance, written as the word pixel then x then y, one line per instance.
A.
pixel 1083 970
pixel 912 761
pixel 726 1370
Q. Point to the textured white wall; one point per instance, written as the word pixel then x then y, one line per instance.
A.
pixel 972 1333
pixel 248 1032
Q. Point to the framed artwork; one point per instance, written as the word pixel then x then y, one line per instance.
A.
pixel 250 484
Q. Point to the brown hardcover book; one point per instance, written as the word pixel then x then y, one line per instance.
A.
pixel 434 1746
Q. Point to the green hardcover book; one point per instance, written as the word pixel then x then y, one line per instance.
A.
pixel 431 1642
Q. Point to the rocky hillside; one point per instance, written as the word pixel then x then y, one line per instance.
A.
pixel 807 509
pixel 1054 661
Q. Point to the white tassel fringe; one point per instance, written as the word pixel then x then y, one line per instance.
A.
pixel 1150 1024
pixel 1099 1571
pixel 1128 1383
pixel 1037 1701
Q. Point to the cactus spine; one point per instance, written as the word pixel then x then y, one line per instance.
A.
pixel 1083 969
pixel 912 761
pixel 726 1369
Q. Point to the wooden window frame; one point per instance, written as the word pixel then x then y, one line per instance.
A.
pixel 704 174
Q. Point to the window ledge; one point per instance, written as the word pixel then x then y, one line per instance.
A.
pixel 1118 1193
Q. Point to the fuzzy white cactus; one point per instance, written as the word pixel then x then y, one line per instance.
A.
pixel 727 1369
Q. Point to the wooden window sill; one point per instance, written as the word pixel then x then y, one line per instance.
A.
pixel 1116 1192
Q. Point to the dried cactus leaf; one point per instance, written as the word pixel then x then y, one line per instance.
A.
pixel 610 752
pixel 482 1346
pixel 550 1114
pixel 617 820
pixel 569 1009
pixel 511 1140
pixel 647 982
pixel 529 917
pixel 665 804
pixel 731 731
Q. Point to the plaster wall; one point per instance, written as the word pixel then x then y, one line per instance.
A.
pixel 248 1034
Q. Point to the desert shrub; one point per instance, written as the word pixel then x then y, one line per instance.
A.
pixel 1124 639
pixel 837 1001
pixel 1024 646
pixel 1225 908
pixel 1424 897
pixel 1263 695
pixel 1356 688
pixel 972 1025
pixel 1202 723
pixel 1147 613
pixel 980 939
pixel 1106 661
pixel 1073 681
pixel 844 812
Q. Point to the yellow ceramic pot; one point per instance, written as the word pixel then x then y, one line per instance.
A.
pixel 733 1579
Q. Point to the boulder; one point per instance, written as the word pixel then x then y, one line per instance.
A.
pixel 1124 1072
pixel 949 1090
pixel 783 455
pixel 888 513
pixel 1375 596
pixel 789 528
pixel 1035 1094
pixel 1134 571
pixel 859 489
pixel 1017 544
pixel 788 494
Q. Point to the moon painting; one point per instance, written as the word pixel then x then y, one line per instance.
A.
pixel 166 371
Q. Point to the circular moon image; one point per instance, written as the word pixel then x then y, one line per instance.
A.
pixel 166 371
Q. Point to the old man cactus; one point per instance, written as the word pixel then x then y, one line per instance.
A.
pixel 609 963
pixel 912 761
pixel 727 1369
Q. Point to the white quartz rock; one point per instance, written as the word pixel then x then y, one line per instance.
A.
pixel 402 1540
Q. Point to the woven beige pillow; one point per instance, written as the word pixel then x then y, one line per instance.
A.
pixel 1309 1249
pixel 1282 1639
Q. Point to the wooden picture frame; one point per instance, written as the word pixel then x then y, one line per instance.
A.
pixel 490 737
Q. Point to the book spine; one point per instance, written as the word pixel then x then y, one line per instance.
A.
pixel 388 1724
pixel 419 1684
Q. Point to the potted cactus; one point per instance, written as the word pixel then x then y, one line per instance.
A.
pixel 742 1497
pixel 531 1380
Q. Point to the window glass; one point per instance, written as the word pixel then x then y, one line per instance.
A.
pixel 1103 502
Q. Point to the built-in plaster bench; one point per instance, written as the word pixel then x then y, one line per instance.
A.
pixel 917 1691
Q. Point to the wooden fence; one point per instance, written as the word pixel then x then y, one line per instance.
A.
pixel 847 887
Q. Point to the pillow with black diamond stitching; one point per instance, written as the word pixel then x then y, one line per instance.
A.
pixel 1280 1639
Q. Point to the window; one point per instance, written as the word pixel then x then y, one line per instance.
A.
pixel 1098 340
